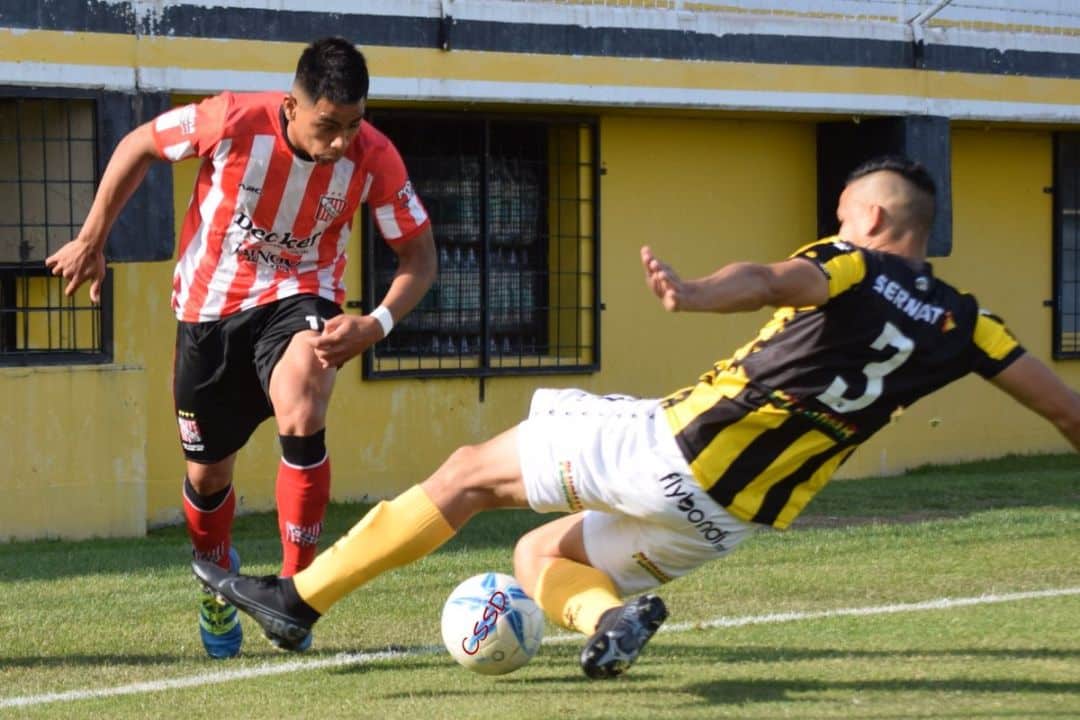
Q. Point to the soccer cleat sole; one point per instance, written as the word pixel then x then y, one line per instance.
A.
pixel 602 657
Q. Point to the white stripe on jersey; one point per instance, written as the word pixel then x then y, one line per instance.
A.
pixel 416 210
pixel 367 187
pixel 309 261
pixel 384 215
pixel 262 147
pixel 179 151
pixel 182 117
pixel 193 253
pixel 289 207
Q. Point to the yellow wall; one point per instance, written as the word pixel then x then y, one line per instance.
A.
pixel 97 452
pixel 74 455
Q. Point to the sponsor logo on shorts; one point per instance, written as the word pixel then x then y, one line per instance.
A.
pixel 190 435
pixel 683 496
pixel 303 534
pixel 566 478
pixel 650 567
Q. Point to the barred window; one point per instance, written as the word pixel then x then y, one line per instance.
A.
pixel 1067 246
pixel 513 205
pixel 48 166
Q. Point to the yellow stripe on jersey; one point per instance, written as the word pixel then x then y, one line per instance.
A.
pixel 845 271
pixel 748 501
pixel 992 338
pixel 804 492
pixel 728 444
pixel 842 263
pixel 685 406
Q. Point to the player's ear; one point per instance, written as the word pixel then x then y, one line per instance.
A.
pixel 874 219
pixel 289 103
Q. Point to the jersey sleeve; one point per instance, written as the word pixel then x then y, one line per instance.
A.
pixel 393 203
pixel 843 264
pixel 995 346
pixel 191 130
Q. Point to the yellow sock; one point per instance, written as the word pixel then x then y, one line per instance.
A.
pixel 575 595
pixel 392 534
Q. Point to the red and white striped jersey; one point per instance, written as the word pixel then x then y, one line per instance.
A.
pixel 263 223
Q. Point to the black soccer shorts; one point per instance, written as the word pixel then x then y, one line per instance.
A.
pixel 221 377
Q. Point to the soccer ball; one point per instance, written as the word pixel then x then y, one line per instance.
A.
pixel 490 625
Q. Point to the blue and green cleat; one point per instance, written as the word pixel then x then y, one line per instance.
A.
pixel 219 623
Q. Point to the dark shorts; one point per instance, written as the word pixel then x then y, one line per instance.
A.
pixel 221 378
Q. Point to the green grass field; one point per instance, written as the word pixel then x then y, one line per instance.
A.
pixel 107 628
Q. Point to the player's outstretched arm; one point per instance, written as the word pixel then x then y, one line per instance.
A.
pixel 83 258
pixel 737 287
pixel 1037 387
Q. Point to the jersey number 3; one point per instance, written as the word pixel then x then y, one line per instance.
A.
pixel 875 372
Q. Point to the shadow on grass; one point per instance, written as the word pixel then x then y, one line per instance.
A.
pixel 709 655
pixel 97 660
pixel 254 535
pixel 729 692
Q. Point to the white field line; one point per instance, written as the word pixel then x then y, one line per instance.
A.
pixel 366 658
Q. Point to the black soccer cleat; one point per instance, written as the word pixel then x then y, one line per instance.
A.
pixel 285 618
pixel 621 635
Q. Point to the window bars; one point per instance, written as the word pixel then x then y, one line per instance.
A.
pixel 1067 246
pixel 48 166
pixel 513 205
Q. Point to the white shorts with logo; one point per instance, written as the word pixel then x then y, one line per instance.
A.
pixel 647 520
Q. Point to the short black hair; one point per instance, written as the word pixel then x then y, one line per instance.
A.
pixel 912 171
pixel 334 69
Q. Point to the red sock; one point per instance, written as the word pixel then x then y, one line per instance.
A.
pixel 209 523
pixel 302 496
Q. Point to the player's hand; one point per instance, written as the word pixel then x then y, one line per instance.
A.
pixel 78 261
pixel 663 281
pixel 344 337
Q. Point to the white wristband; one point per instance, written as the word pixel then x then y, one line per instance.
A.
pixel 382 314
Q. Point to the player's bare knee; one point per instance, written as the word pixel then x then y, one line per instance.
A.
pixel 462 478
pixel 527 559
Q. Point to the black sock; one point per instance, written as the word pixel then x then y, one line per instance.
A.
pixel 304 612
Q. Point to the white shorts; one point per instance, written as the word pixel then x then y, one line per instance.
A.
pixel 647 520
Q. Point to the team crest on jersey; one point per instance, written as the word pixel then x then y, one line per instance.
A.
pixel 329 208
pixel 406 193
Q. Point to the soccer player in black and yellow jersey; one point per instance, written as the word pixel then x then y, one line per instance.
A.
pixel 655 488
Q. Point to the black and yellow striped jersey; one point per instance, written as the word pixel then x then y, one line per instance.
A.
pixel 764 430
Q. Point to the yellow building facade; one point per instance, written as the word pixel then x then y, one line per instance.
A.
pixel 707 159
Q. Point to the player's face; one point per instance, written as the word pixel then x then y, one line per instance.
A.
pixel 322 129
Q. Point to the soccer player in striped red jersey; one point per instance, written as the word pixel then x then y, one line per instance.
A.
pixel 258 286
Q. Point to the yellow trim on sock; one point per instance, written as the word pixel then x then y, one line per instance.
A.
pixel 392 534
pixel 575 595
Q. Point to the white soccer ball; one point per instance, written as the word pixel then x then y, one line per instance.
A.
pixel 490 625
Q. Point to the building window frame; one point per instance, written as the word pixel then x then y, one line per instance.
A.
pixel 1066 250
pixel 561 351
pixel 39 325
